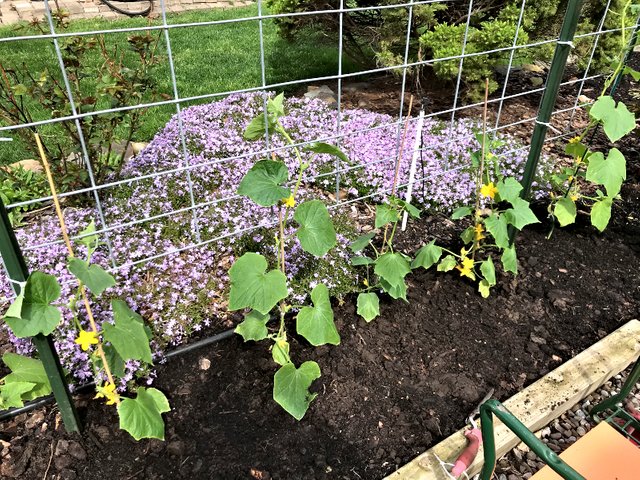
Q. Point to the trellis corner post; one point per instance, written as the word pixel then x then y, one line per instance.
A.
pixel 18 272
pixel 552 87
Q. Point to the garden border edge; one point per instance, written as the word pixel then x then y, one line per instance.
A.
pixel 540 403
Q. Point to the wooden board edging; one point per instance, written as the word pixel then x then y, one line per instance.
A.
pixel 540 403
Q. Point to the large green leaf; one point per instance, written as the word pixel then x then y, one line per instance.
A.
pixel 291 387
pixel 37 315
pixel 386 214
pixel 256 128
pixel 253 327
pixel 25 369
pixel 520 215
pixel 510 260
pixel 275 106
pixel 142 416
pixel 88 237
pixel 447 263
pixel 565 211
pixel 496 225
pixel 509 189
pixel 392 267
pixel 488 271
pixel 610 172
pixel 128 335
pixel 253 287
pixel 361 242
pixel 601 213
pixel 320 147
pixel 280 351
pixel 93 276
pixel 359 260
pixel 461 212
pixel 12 394
pixel 263 183
pixel 427 256
pixel 316 323
pixel 316 233
pixel 395 291
pixel 115 361
pixel 368 306
pixel 616 120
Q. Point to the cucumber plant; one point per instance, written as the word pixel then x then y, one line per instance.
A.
pixel 599 171
pixel 37 310
pixel 389 266
pixel 260 290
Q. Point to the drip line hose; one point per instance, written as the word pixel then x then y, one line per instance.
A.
pixel 33 404
pixel 129 13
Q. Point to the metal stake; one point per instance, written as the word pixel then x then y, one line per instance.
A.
pixel 18 273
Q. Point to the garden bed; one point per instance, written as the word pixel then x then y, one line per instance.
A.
pixel 392 388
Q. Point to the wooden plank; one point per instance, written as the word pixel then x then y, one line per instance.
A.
pixel 540 403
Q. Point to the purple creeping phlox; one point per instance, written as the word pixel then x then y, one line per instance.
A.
pixel 181 293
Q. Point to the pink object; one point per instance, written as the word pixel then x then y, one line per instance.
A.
pixel 468 455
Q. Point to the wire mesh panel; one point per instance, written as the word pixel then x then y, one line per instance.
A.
pixel 169 215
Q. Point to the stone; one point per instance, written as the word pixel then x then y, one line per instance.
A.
pixel 204 364
pixel 76 451
pixel 533 68
pixel 536 81
pixel 324 93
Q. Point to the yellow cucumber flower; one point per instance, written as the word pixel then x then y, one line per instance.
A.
pixel 488 190
pixel 86 339
pixel 574 140
pixel 478 232
pixel 108 392
pixel 289 202
pixel 466 268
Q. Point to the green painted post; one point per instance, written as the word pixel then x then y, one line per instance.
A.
pixel 548 456
pixel 18 272
pixel 610 403
pixel 563 47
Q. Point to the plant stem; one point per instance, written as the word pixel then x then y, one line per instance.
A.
pixel 479 182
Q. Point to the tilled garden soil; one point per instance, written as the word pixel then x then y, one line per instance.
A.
pixel 388 392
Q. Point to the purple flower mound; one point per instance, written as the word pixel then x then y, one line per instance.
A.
pixel 196 214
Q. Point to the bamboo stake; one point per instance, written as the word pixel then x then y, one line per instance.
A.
pixel 67 241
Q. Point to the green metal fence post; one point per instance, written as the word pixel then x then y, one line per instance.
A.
pixel 558 64
pixel 18 272
pixel 611 402
pixel 494 407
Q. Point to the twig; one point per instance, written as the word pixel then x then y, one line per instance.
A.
pixel 398 161
pixel 46 472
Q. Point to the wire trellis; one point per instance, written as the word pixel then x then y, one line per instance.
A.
pixel 562 127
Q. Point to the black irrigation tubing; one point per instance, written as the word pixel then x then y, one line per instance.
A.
pixel 42 401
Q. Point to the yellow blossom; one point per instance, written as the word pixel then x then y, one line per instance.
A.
pixel 478 232
pixel 366 282
pixel 574 140
pixel 488 190
pixel 466 268
pixel 85 339
pixel 574 197
pixel 289 202
pixel 108 392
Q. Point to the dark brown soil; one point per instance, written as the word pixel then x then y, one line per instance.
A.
pixel 390 390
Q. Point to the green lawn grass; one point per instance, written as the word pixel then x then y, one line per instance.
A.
pixel 209 59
